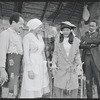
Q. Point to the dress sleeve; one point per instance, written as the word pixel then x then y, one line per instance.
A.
pixel 4 41
pixel 26 47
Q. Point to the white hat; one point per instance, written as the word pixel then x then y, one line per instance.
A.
pixel 69 24
pixel 33 23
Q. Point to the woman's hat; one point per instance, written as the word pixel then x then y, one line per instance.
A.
pixel 67 24
pixel 33 23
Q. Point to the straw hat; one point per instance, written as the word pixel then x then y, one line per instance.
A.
pixel 67 24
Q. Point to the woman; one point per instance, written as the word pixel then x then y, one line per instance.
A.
pixel 66 61
pixel 35 80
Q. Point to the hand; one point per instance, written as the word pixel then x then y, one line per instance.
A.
pixel 54 68
pixel 93 45
pixel 31 75
pixel 3 76
pixel 84 42
pixel 79 70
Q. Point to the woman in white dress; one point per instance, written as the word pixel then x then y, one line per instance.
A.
pixel 35 80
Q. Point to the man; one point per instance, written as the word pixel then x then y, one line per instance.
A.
pixel 91 57
pixel 10 56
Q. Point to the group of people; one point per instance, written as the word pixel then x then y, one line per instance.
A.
pixel 28 53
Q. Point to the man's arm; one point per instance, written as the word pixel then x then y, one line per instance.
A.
pixel 94 40
pixel 4 41
pixel 83 44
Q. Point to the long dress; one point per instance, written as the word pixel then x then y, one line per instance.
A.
pixel 34 60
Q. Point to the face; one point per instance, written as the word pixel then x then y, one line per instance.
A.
pixel 66 32
pixel 19 25
pixel 39 29
pixel 92 26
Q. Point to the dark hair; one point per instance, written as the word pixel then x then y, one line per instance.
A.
pixel 94 20
pixel 71 38
pixel 15 17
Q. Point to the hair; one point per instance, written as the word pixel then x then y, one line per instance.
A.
pixel 15 17
pixel 95 21
pixel 71 38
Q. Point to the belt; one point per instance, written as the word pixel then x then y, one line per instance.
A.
pixel 14 54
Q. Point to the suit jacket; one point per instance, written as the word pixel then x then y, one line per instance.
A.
pixel 91 43
pixel 63 79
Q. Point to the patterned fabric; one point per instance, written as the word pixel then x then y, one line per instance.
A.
pixel 10 42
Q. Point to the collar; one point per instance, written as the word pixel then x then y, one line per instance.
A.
pixel 13 31
pixel 92 32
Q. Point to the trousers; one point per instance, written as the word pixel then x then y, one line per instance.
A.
pixel 13 68
pixel 90 72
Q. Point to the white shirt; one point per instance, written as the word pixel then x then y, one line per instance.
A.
pixel 66 45
pixel 10 42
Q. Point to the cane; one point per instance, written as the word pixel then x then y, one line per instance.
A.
pixel 82 83
pixel 51 80
pixel 81 86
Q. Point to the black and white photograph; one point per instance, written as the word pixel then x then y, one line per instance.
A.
pixel 49 49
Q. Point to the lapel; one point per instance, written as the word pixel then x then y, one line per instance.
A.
pixel 63 52
pixel 74 49
pixel 92 35
pixel 72 52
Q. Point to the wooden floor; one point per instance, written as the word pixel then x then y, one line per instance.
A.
pixel 49 95
pixel 79 95
pixel 67 96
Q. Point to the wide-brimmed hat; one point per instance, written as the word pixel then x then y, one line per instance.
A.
pixel 33 23
pixel 67 24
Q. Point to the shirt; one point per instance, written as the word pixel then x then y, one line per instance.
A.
pixel 66 45
pixel 10 42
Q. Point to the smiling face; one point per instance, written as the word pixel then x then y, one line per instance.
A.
pixel 92 26
pixel 66 31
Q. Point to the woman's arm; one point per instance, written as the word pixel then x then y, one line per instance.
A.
pixel 26 53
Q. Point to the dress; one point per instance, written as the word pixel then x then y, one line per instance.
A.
pixel 34 60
